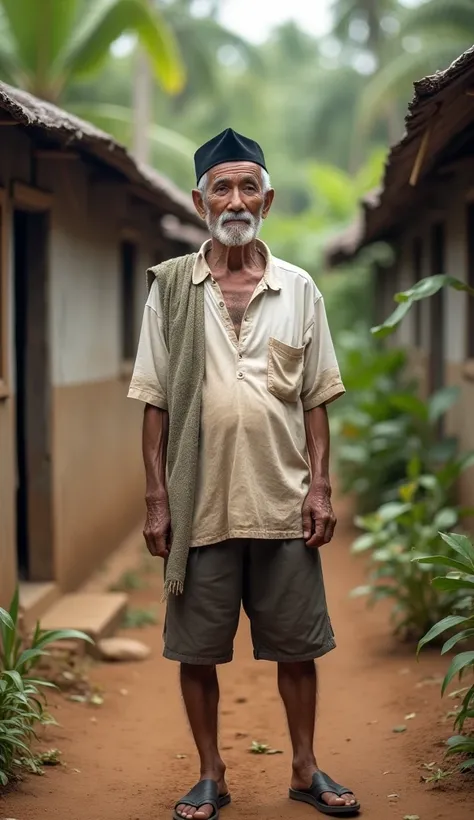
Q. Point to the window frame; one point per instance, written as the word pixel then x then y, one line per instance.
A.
pixel 127 237
pixel 4 298
pixel 469 338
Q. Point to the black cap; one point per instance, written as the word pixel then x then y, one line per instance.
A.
pixel 229 146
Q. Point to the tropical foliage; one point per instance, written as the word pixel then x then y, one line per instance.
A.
pixel 431 34
pixel 422 290
pixel 402 530
pixel 381 425
pixel 22 700
pixel 458 583
pixel 45 47
pixel 403 477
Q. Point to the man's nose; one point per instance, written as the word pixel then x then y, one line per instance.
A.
pixel 236 203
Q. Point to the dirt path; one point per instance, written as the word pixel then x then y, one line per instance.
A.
pixel 122 758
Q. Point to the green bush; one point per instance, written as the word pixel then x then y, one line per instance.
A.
pixel 459 583
pixel 410 526
pixel 381 425
pixel 22 701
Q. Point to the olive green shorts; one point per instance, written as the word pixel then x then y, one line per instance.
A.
pixel 280 585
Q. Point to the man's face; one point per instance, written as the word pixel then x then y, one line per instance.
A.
pixel 234 203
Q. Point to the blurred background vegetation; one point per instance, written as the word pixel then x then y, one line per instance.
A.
pixel 164 75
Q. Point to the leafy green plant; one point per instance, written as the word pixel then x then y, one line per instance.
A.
pixel 459 582
pixel 422 290
pixel 22 700
pixel 409 527
pixel 382 425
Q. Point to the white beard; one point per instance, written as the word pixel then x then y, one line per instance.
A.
pixel 234 235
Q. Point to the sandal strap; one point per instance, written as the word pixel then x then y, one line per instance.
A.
pixel 321 783
pixel 204 792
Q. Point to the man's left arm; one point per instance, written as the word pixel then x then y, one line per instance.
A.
pixel 321 384
pixel 319 520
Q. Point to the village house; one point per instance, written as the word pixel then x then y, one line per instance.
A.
pixel 80 221
pixel 425 211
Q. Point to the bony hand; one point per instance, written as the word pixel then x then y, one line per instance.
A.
pixel 319 520
pixel 157 530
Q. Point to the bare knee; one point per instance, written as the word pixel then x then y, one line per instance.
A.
pixel 198 673
pixel 297 670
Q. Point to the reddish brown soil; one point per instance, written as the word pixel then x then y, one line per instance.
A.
pixel 124 758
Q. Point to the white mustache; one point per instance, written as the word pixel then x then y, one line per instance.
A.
pixel 237 217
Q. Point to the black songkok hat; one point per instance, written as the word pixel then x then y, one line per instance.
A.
pixel 229 146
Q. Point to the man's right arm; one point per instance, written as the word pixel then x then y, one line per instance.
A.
pixel 157 529
pixel 149 385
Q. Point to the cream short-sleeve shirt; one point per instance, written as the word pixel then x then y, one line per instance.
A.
pixel 253 467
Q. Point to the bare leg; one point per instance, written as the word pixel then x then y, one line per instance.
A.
pixel 200 689
pixel 298 687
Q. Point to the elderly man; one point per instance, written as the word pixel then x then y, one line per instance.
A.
pixel 236 365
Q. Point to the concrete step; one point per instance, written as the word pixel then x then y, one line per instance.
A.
pixel 96 614
pixel 35 599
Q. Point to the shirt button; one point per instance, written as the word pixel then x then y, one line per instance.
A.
pixel 240 375
pixel 241 355
pixel 221 304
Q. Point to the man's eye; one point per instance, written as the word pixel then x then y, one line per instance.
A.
pixel 250 188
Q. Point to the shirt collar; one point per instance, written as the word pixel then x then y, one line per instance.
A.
pixel 270 277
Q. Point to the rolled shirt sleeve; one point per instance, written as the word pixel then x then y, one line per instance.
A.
pixel 322 381
pixel 150 373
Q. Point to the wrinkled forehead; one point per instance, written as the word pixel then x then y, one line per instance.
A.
pixel 235 171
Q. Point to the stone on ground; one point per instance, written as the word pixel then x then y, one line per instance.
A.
pixel 123 649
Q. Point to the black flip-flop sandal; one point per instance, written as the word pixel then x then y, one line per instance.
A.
pixel 322 783
pixel 206 792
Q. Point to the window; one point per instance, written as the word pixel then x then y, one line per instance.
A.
pixel 470 279
pixel 3 298
pixel 128 258
pixel 417 250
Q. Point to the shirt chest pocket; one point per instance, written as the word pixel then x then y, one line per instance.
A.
pixel 285 370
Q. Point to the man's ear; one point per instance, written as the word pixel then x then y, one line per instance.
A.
pixel 198 203
pixel 269 197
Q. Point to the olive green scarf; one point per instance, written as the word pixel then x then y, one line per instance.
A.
pixel 183 326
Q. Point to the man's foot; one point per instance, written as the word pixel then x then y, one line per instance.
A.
pixel 205 811
pixel 302 780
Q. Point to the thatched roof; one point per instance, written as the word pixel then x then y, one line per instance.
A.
pixel 67 131
pixel 441 109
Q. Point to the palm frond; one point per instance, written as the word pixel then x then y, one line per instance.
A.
pixel 104 22
pixel 37 31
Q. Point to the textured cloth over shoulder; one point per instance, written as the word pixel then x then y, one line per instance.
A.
pixel 183 324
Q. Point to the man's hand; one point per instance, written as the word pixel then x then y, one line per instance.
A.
pixel 319 520
pixel 157 529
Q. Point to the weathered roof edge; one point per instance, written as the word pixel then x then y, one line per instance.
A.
pixel 81 135
pixel 346 244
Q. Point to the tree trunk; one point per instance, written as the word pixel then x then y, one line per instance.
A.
pixel 142 104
